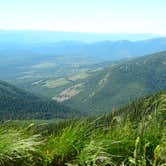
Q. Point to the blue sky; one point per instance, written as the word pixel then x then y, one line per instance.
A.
pixel 105 16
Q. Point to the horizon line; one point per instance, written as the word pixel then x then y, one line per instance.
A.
pixel 88 32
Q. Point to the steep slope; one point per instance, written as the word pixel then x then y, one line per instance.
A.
pixel 133 135
pixel 143 107
pixel 119 84
pixel 17 104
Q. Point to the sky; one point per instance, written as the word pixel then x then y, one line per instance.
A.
pixel 103 16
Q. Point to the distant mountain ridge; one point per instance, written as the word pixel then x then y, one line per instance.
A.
pixel 101 50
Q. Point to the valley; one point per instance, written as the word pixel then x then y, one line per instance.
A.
pixel 83 104
pixel 56 69
pixel 82 83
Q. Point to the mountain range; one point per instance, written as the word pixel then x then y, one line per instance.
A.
pixel 91 77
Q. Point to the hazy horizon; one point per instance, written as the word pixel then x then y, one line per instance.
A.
pixel 37 36
pixel 95 16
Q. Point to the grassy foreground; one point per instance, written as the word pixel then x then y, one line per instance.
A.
pixel 132 136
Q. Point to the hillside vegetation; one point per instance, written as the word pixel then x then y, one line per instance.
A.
pixel 134 135
pixel 121 83
pixel 17 104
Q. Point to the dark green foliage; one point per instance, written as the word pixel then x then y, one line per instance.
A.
pixel 17 104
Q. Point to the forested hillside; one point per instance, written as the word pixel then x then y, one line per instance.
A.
pixel 119 84
pixel 17 104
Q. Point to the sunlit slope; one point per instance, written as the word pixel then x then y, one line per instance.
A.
pixel 121 83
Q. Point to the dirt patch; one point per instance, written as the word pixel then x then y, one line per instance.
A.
pixel 68 93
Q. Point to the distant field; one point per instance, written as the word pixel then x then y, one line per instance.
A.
pixel 44 65
pixel 50 75
pixel 79 76
pixel 56 83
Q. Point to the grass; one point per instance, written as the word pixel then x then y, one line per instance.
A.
pixel 19 148
pixel 132 136
pixel 56 83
